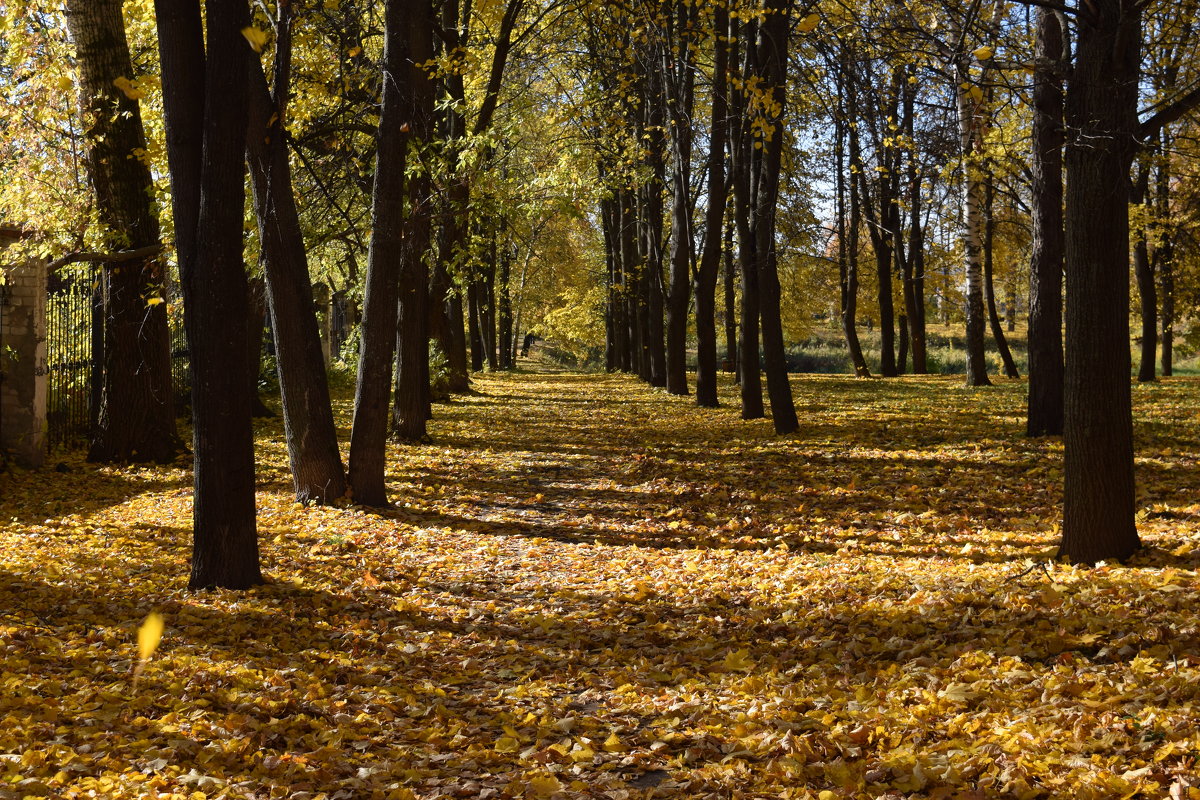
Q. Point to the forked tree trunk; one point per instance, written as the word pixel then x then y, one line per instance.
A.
pixel 136 413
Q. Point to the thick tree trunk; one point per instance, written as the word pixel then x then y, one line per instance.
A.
pixel 205 106
pixel 368 441
pixel 136 410
pixel 1045 410
pixel 316 463
pixel 914 272
pixel 1101 114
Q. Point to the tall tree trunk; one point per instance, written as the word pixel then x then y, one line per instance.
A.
pixel 316 462
pixel 1045 410
pixel 989 289
pixel 847 234
pixel 368 438
pixel 504 309
pixel 475 323
pixel 205 106
pixel 714 224
pixel 136 413
pixel 410 409
pixel 773 64
pixel 1101 114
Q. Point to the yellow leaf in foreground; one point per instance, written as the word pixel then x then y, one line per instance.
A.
pixel 808 23
pixel 507 744
pixel 544 786
pixel 149 635
pixel 612 744
pixel 983 53
pixel 739 661
pixel 255 37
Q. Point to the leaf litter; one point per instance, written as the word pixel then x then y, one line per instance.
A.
pixel 588 589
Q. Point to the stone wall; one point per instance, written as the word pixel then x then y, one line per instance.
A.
pixel 23 384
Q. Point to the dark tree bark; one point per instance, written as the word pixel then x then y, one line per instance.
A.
pixel 1045 410
pixel 206 107
pixel 1101 115
pixel 714 225
pixel 773 48
pixel 316 463
pixel 135 418
pixel 368 441
pixel 412 391
pixel 989 288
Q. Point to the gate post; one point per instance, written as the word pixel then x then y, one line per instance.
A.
pixel 23 362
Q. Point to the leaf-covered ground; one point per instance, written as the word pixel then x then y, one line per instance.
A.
pixel 593 590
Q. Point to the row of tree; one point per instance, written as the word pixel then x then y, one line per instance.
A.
pixel 598 170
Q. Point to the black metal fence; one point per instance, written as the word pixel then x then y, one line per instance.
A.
pixel 73 347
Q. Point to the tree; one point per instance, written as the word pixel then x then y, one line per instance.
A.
pixel 205 104
pixel 136 419
pixel 317 472
pixel 714 219
pixel 368 439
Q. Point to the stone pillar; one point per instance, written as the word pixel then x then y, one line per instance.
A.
pixel 23 387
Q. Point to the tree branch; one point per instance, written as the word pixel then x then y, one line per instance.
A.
pixel 107 258
pixel 1168 114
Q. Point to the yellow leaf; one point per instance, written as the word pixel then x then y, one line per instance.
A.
pixel 154 301
pixel 983 53
pixel 149 635
pixel 740 661
pixel 255 37
pixel 545 785
pixel 808 23
pixel 613 744
pixel 128 88
pixel 507 744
